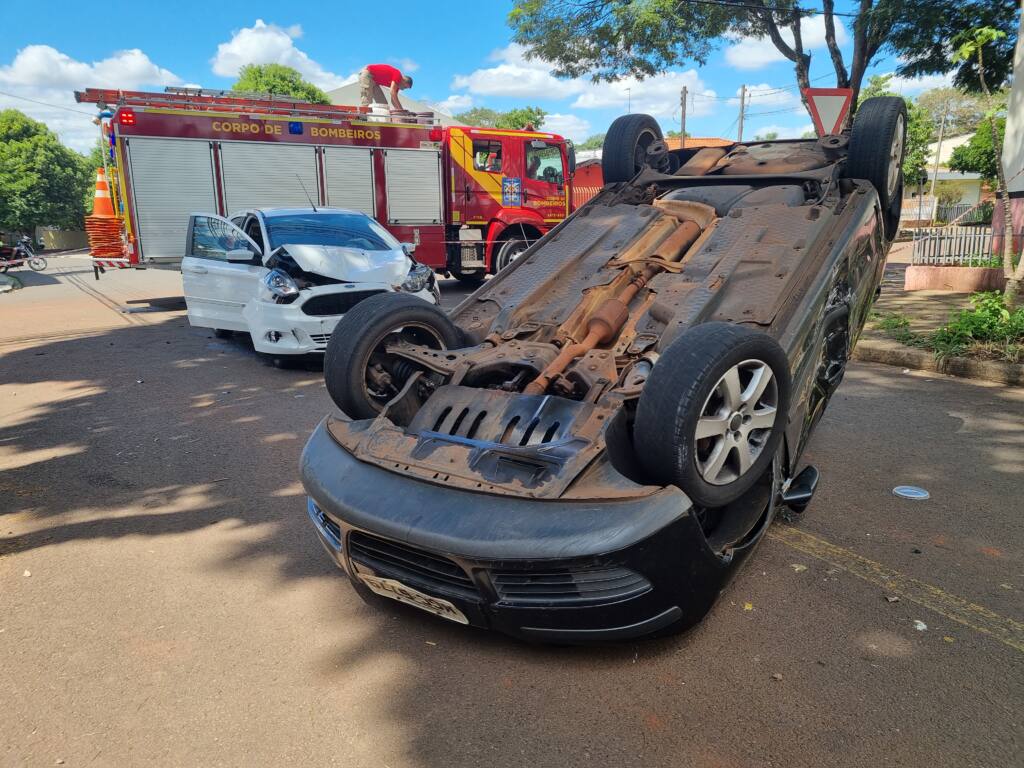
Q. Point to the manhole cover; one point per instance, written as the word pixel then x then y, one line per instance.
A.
pixel 911 492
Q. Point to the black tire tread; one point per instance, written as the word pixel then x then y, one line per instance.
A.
pixel 619 143
pixel 870 140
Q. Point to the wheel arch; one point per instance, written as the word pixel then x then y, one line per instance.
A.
pixel 503 227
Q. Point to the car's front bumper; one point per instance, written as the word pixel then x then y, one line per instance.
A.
pixel 559 571
pixel 288 329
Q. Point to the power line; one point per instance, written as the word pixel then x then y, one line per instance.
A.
pixel 47 104
pixel 757 94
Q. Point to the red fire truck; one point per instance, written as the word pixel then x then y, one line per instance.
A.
pixel 471 199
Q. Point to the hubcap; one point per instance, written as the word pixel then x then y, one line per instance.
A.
pixel 895 157
pixel 736 422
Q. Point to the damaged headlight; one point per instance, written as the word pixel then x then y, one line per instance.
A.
pixel 419 278
pixel 278 287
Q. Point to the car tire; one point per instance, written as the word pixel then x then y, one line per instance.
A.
pixel 354 347
pixel 880 123
pixel 702 422
pixel 624 153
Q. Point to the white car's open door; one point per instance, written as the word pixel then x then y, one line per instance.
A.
pixel 219 272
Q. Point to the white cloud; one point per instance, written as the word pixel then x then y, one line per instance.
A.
pixel 763 95
pixel 657 96
pixel 514 76
pixel 457 102
pixel 41 66
pixel 756 52
pixel 41 73
pixel 911 86
pixel 408 66
pixel 264 43
pixel 570 126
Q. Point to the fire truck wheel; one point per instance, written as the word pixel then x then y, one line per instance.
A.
pixel 624 153
pixel 469 278
pixel 510 250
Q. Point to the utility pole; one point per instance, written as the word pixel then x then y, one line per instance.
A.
pixel 682 118
pixel 938 159
pixel 743 103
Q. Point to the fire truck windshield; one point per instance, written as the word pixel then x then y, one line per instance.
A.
pixel 348 230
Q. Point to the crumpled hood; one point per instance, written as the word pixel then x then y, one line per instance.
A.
pixel 352 264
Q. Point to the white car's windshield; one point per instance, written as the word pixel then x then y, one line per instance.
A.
pixel 349 230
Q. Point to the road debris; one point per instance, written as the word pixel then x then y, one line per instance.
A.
pixel 748 606
pixel 26 574
pixel 919 625
pixel 797 567
pixel 776 676
pixel 912 492
pixel 891 599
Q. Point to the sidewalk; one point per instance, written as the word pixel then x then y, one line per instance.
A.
pixel 925 312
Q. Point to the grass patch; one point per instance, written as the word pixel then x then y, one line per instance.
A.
pixel 988 330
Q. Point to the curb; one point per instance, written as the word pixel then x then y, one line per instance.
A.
pixel 873 350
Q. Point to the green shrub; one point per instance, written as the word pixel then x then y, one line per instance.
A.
pixel 987 321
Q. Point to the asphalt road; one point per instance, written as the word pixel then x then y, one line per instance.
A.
pixel 163 600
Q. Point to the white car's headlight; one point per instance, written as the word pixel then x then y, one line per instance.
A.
pixel 419 277
pixel 278 287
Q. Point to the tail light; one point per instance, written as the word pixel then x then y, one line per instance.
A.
pixel 126 117
pixel 435 134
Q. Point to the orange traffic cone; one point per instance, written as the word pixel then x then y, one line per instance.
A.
pixel 101 203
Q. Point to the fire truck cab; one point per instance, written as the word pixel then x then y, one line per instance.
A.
pixel 469 199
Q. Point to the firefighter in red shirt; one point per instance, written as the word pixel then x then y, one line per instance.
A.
pixel 375 77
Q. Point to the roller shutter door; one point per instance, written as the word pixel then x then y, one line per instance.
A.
pixel 266 175
pixel 170 179
pixel 414 186
pixel 348 172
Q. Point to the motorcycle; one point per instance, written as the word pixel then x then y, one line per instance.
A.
pixel 20 255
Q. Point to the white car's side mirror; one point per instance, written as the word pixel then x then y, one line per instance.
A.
pixel 409 248
pixel 236 255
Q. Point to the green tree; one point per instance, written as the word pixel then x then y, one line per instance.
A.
pixel 963 111
pixel 42 181
pixel 767 136
pixel 609 39
pixel 920 37
pixel 979 154
pixel 971 44
pixel 484 117
pixel 593 142
pixel 278 79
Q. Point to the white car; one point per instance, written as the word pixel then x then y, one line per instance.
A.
pixel 286 276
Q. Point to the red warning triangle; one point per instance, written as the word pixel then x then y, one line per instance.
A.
pixel 829 108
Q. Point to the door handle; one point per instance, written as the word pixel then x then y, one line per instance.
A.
pixel 196 270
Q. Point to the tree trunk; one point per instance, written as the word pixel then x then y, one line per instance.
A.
pixel 1011 293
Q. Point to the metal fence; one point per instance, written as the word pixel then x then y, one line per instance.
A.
pixel 960 246
pixel 965 213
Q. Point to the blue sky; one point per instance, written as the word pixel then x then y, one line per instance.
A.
pixel 459 56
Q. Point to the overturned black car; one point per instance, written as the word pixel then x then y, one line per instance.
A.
pixel 589 445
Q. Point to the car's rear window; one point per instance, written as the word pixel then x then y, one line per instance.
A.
pixel 348 230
